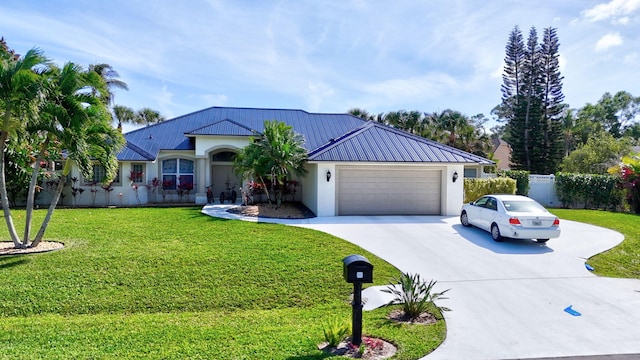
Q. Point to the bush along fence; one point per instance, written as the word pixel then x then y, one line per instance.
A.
pixel 474 188
pixel 590 191
pixel 521 177
pixel 619 191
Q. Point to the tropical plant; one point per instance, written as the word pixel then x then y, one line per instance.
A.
pixel 76 118
pixel 111 78
pixel 275 155
pixel 629 171
pixel 415 295
pixel 66 109
pixel 21 87
pixel 148 116
pixel 123 115
pixel 335 330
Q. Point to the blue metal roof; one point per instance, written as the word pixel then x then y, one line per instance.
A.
pixel 328 137
pixel 224 127
pixel 375 142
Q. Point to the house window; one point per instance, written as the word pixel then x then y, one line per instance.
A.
pixel 177 173
pixel 224 156
pixel 137 173
pixel 470 173
pixel 99 174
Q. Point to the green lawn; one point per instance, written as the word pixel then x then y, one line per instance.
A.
pixel 624 259
pixel 173 283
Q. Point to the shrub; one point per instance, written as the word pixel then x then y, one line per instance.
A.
pixel 335 331
pixel 590 190
pixel 628 172
pixel 415 295
pixel 475 188
pixel 521 177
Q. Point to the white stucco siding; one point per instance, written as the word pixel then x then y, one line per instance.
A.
pixel 451 193
pixel 206 144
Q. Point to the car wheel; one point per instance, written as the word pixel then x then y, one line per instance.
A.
pixel 464 219
pixel 542 241
pixel 495 233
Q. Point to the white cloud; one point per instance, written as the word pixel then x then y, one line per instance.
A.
pixel 609 40
pixel 616 10
pixel 215 99
pixel 403 90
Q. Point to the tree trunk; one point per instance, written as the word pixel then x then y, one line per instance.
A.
pixel 52 207
pixel 3 184
pixel 266 191
pixel 31 193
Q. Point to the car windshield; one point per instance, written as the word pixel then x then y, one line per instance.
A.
pixel 523 206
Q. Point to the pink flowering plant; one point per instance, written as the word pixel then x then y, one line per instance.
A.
pixel 629 172
pixel 134 178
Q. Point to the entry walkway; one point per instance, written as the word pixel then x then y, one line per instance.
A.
pixel 510 300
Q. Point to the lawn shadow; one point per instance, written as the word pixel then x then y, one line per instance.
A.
pixel 483 239
pixel 9 261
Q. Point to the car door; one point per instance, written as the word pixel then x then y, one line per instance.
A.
pixel 475 211
pixel 489 213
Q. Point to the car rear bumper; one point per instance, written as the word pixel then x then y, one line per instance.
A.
pixel 517 232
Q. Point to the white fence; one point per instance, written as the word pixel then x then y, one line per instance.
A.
pixel 541 188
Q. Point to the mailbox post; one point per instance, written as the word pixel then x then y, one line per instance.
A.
pixel 357 270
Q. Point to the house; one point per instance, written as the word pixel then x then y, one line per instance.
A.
pixel 501 153
pixel 356 167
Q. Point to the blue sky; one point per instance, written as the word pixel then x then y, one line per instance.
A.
pixel 327 56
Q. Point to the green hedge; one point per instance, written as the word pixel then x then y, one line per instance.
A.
pixel 475 188
pixel 592 191
pixel 521 177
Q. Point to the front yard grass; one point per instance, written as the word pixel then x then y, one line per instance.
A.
pixel 173 283
pixel 621 261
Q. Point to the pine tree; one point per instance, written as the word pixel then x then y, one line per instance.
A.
pixel 552 116
pixel 531 100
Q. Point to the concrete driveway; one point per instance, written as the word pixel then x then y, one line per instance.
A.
pixel 508 299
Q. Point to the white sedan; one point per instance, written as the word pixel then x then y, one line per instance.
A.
pixel 511 216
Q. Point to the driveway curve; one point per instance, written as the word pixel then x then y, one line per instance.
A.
pixel 511 300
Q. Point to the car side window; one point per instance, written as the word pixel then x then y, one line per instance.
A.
pixel 492 204
pixel 482 202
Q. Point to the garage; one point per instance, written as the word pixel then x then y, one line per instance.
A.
pixel 366 190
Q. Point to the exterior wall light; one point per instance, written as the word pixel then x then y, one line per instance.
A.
pixel 455 176
pixel 328 175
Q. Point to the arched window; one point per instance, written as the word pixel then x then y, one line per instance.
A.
pixel 177 173
pixel 223 156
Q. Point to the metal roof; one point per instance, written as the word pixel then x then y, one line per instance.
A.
pixel 375 142
pixel 328 137
pixel 224 127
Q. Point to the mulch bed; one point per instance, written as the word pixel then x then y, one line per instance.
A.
pixel 287 210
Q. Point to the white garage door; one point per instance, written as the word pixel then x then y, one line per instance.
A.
pixel 388 191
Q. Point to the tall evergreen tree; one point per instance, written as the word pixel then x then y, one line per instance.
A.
pixel 552 98
pixel 531 101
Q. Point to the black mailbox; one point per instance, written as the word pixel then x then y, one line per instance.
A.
pixel 357 269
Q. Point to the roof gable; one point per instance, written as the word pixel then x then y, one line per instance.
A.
pixel 224 127
pixel 375 142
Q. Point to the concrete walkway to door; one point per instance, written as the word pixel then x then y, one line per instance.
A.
pixel 508 299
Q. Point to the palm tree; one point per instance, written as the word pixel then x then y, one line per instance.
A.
pixel 111 77
pixel 124 115
pixel 148 116
pixel 450 122
pixel 278 153
pixel 20 90
pixel 75 117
